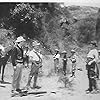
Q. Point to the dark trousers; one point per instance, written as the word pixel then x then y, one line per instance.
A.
pixel 91 76
pixel 92 84
pixel 64 67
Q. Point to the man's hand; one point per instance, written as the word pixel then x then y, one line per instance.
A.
pixel 90 63
pixel 15 68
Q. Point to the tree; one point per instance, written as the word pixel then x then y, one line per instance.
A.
pixel 25 19
pixel 98 26
pixel 87 30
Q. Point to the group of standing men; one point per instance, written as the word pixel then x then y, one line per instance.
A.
pixel 17 62
pixel 92 65
pixel 65 59
pixel 36 63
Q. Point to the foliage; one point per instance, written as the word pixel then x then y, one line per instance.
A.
pixel 26 20
pixel 98 26
pixel 46 23
pixel 87 30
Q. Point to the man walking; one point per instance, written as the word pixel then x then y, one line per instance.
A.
pixel 35 58
pixel 92 58
pixel 17 62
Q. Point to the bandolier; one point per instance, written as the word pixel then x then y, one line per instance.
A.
pixel 91 67
pixel 36 63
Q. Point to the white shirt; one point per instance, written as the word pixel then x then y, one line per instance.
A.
pixel 93 54
pixel 56 56
pixel 33 55
pixel 73 58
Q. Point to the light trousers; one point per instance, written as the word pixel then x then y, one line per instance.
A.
pixel 17 76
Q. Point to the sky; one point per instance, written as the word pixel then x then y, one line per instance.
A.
pixel 93 3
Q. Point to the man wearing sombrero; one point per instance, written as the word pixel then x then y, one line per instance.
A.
pixel 17 62
pixel 73 58
pixel 36 63
pixel 56 60
pixel 92 58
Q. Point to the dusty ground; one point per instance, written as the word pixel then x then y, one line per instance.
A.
pixel 49 83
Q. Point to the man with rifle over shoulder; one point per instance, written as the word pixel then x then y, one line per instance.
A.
pixel 17 62
pixel 92 58
pixel 36 63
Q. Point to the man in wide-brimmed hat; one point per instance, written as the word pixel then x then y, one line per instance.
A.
pixel 73 58
pixel 36 63
pixel 56 60
pixel 17 62
pixel 92 58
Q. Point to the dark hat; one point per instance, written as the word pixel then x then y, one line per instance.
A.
pixel 94 43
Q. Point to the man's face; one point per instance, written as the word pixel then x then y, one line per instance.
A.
pixel 57 51
pixel 36 48
pixel 92 46
pixel 22 43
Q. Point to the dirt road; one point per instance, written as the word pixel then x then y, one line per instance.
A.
pixel 55 90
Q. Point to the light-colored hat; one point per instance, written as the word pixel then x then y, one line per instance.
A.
pixel 2 48
pixel 35 43
pixel 20 39
pixel 73 51
pixel 64 51
pixel 56 50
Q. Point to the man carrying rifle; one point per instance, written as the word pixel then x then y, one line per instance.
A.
pixel 17 62
pixel 35 58
pixel 56 60
pixel 92 58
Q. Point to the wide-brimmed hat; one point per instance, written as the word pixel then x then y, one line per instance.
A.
pixel 64 52
pixel 20 39
pixel 56 50
pixel 94 43
pixel 73 51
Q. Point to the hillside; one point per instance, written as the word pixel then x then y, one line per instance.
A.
pixel 62 28
pixel 78 33
pixel 67 28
